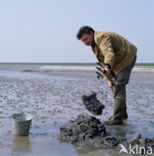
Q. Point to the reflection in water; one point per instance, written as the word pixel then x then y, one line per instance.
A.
pixel 121 130
pixel 21 144
pixel 91 151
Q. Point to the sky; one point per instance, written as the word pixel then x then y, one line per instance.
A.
pixel 45 30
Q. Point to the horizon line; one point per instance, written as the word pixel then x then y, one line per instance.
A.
pixel 65 63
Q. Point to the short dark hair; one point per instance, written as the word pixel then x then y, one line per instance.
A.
pixel 84 30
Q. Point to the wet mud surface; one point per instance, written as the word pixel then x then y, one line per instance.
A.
pixel 53 98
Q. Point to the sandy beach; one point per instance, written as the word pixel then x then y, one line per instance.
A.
pixel 53 97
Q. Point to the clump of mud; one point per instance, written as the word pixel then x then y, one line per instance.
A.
pixel 88 130
pixel 138 142
pixel 92 104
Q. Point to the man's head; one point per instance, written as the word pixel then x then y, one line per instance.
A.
pixel 86 35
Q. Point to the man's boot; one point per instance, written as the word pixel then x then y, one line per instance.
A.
pixel 119 108
pixel 124 115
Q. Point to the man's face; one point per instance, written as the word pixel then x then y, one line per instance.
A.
pixel 87 39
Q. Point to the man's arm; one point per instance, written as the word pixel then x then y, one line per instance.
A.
pixel 106 49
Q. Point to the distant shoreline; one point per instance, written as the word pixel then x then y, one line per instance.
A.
pixel 65 64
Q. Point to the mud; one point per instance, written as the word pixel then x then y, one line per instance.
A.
pixel 92 104
pixel 88 130
pixel 84 130
pixel 54 97
pixel 141 142
pixel 29 70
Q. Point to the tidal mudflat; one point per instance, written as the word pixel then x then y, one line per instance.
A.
pixel 53 97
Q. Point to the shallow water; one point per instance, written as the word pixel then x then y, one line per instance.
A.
pixel 53 97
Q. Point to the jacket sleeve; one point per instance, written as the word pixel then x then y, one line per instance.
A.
pixel 106 49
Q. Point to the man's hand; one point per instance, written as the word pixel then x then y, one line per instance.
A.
pixel 109 83
pixel 107 71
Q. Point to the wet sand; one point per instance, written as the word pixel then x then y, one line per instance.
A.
pixel 53 97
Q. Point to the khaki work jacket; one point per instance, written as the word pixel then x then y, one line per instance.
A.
pixel 113 49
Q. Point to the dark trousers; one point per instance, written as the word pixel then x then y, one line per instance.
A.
pixel 119 91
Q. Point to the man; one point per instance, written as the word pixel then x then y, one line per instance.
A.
pixel 119 57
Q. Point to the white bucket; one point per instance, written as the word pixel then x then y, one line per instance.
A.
pixel 21 124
